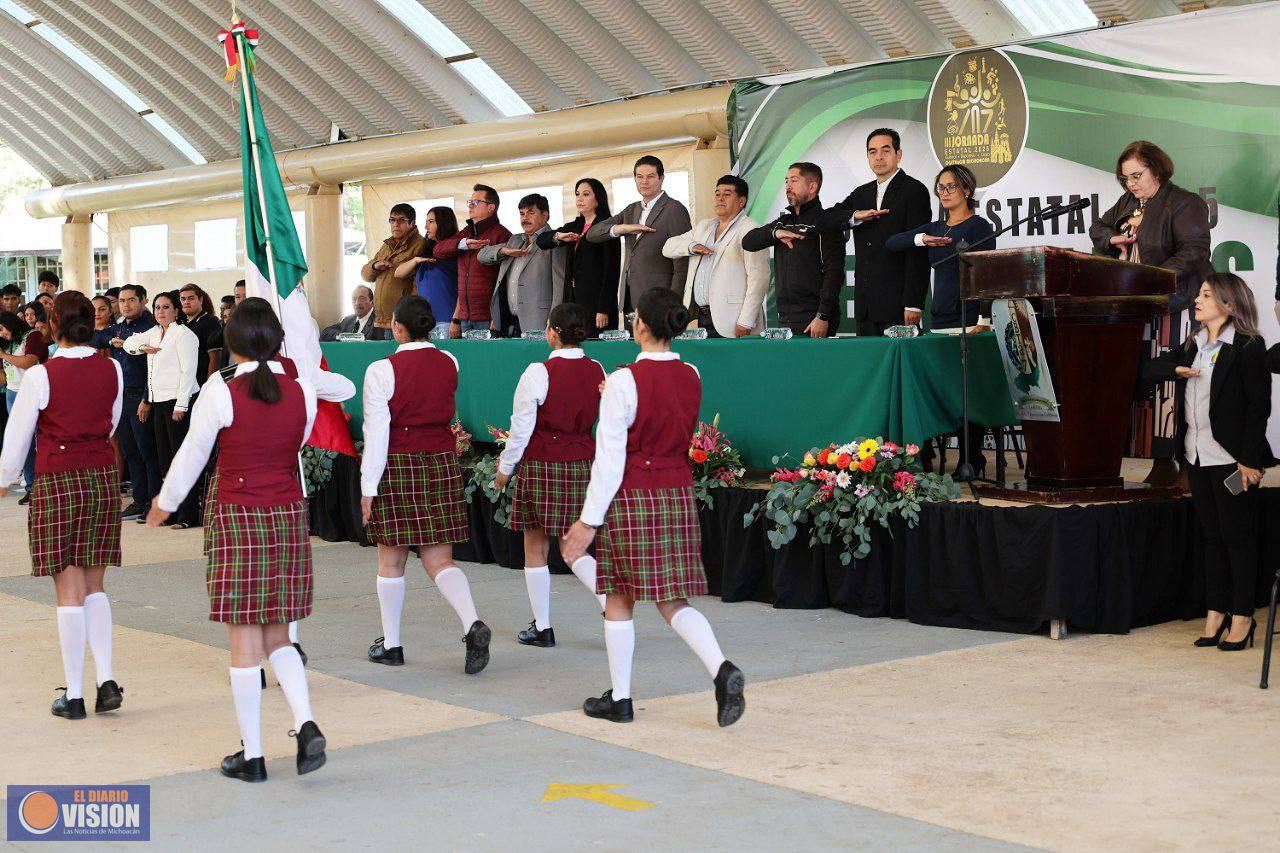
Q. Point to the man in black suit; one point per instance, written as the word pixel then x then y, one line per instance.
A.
pixel 889 287
pixel 361 322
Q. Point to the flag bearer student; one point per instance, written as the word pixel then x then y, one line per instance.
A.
pixel 556 404
pixel 641 500
pixel 410 482
pixel 72 404
pixel 259 576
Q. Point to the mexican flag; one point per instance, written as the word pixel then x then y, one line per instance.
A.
pixel 274 262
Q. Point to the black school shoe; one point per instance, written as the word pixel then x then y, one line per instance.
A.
pixel 608 708
pixel 71 709
pixel 730 701
pixel 477 641
pixel 110 697
pixel 245 769
pixel 301 653
pixel 311 744
pixel 531 636
pixel 378 653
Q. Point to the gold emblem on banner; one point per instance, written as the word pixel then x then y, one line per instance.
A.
pixel 978 114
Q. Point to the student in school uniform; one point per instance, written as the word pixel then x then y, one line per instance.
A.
pixel 72 404
pixel 259 575
pixel 410 483
pixel 556 404
pixel 641 500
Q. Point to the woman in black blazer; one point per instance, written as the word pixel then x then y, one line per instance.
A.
pixel 591 270
pixel 1225 388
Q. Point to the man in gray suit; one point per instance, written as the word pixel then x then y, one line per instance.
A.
pixel 530 280
pixel 646 226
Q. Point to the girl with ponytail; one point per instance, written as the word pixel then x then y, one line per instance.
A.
pixel 556 404
pixel 641 500
pixel 259 548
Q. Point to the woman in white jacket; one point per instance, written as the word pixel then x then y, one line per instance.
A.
pixel 173 353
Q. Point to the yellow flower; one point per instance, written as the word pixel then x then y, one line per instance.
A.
pixel 809 461
pixel 867 448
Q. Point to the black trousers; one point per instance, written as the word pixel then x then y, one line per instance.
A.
pixel 872 329
pixel 138 445
pixel 168 435
pixel 702 314
pixel 1230 524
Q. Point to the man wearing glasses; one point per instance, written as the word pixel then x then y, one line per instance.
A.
pixel 475 279
pixel 404 243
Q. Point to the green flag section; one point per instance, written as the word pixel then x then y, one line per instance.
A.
pixel 268 211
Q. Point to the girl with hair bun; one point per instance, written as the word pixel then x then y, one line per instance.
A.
pixel 641 499
pixel 556 404
pixel 72 403
pixel 259 555
pixel 410 482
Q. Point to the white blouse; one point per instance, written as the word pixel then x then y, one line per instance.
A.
pixel 171 372
pixel 531 392
pixel 379 385
pixel 213 413
pixel 33 397
pixel 617 414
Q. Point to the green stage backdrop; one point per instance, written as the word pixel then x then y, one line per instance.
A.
pixel 1042 122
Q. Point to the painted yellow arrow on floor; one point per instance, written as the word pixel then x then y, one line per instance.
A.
pixel 596 793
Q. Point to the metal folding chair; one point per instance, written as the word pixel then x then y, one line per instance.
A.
pixel 1271 632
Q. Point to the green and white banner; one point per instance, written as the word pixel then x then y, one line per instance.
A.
pixel 1042 122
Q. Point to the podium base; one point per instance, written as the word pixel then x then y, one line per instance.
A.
pixel 1022 492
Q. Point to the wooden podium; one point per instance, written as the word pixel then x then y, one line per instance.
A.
pixel 1092 311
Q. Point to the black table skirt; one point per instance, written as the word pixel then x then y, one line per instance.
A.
pixel 1106 568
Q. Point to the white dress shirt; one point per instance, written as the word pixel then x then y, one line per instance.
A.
pixel 171 372
pixel 213 413
pixel 645 208
pixel 379 385
pixel 33 397
pixel 531 392
pixel 1199 444
pixel 617 414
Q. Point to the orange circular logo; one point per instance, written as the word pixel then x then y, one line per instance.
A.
pixel 38 812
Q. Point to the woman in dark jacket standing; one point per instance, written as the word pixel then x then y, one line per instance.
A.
pixel 1225 387
pixel 591 270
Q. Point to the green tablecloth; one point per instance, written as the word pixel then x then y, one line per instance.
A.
pixel 773 397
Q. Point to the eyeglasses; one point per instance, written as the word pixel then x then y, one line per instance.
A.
pixel 398 220
pixel 944 189
pixel 472 202
pixel 1135 177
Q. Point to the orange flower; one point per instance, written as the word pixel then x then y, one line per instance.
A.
pixel 868 465
pixel 699 456
pixel 823 457
pixel 843 461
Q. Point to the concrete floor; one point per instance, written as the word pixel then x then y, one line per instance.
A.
pixel 859 733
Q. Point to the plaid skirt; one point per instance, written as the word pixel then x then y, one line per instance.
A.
pixel 259 564
pixel 549 495
pixel 210 503
pixel 420 502
pixel 74 520
pixel 650 546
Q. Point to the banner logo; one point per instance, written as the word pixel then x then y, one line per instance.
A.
pixel 79 813
pixel 978 114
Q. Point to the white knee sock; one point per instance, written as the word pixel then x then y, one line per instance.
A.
pixel 286 663
pixel 97 623
pixel 246 690
pixel 293 632
pixel 584 568
pixel 620 641
pixel 453 585
pixel 71 637
pixel 538 581
pixel 695 630
pixel 391 602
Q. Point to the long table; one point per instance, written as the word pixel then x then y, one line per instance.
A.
pixel 773 397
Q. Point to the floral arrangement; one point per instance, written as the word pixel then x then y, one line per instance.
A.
pixel 483 475
pixel 317 467
pixel 844 490
pixel 716 463
pixel 461 438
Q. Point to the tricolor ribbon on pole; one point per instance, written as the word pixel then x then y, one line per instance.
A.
pixel 231 48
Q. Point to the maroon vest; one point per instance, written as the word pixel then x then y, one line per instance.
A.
pixel 565 418
pixel 668 395
pixel 258 453
pixel 74 430
pixel 422 404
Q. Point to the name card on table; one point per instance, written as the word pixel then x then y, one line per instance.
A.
pixel 477 335
pixel 534 336
pixel 783 334
pixel 350 336
pixel 615 335
pixel 902 332
pixel 693 335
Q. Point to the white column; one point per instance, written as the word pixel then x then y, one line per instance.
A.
pixel 77 254
pixel 323 209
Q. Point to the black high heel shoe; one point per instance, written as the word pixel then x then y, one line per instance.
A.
pixel 1205 642
pixel 1226 646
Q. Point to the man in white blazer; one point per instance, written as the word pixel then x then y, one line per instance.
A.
pixel 726 287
